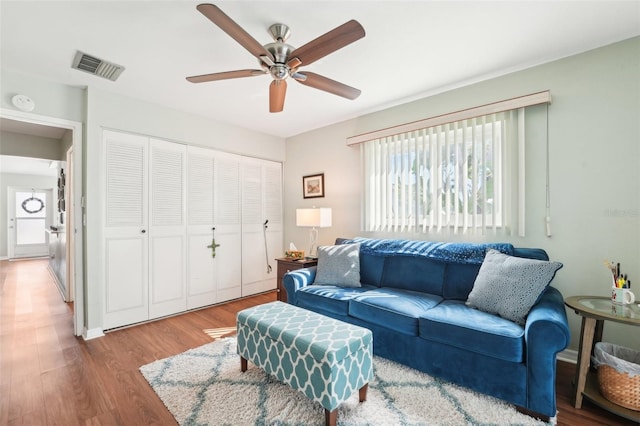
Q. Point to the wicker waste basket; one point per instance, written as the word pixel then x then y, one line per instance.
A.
pixel 618 374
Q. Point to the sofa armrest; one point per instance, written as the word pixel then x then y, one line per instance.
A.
pixel 295 280
pixel 546 334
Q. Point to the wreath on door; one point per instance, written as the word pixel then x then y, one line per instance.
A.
pixel 37 208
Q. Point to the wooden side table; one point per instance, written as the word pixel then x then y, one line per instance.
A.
pixel 595 311
pixel 286 264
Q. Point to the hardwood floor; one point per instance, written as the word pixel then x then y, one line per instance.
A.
pixel 50 377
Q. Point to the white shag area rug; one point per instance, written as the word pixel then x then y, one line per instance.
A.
pixel 204 386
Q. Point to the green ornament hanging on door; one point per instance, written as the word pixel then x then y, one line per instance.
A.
pixel 213 244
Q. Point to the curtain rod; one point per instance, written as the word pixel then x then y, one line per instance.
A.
pixel 501 106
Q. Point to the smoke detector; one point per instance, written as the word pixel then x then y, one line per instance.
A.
pixel 96 66
pixel 23 103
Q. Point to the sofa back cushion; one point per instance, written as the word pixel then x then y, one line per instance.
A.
pixel 458 280
pixel 371 266
pixel 414 273
pixel 407 270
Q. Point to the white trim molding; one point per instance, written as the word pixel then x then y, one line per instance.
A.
pixel 92 333
pixel 568 355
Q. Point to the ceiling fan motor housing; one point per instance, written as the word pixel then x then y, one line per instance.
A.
pixel 280 52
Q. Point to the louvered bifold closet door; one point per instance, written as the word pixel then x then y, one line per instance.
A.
pixel 272 190
pixel 167 228
pixel 124 228
pixel 228 227
pixel 212 212
pixel 201 282
pixel 261 202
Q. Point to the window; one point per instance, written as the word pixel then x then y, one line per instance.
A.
pixel 30 216
pixel 457 177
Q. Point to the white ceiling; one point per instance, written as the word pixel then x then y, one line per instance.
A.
pixel 411 50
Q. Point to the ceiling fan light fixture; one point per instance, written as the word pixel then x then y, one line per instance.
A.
pixel 279 71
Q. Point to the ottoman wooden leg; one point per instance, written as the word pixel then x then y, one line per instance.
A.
pixel 243 364
pixel 363 392
pixel 331 417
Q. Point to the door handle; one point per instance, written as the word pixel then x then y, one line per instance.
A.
pixel 143 231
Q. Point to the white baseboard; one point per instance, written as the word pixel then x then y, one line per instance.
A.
pixel 58 283
pixel 4 258
pixel 568 355
pixel 92 333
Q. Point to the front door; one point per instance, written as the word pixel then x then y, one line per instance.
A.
pixel 29 214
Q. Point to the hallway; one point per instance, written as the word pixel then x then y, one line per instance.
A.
pixel 36 336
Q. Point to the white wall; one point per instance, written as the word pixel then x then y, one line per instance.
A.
pixel 594 137
pixel 51 99
pixel 29 146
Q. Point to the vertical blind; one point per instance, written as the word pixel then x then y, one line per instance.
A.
pixel 464 177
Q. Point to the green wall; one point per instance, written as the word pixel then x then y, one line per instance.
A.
pixel 594 140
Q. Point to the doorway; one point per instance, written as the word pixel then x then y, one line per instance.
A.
pixel 29 214
pixel 73 205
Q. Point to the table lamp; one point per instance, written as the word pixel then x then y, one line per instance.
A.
pixel 313 218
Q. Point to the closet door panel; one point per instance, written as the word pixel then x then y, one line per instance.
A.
pixel 125 237
pixel 201 290
pixel 228 226
pixel 167 217
pixel 167 294
pixel 201 279
pixel 261 224
pixel 253 249
pixel 228 267
pixel 272 195
pixel 125 296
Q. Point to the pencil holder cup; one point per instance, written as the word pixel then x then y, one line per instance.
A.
pixel 622 296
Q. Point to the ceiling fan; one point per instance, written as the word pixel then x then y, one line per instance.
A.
pixel 282 60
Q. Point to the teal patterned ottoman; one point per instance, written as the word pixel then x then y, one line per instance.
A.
pixel 326 359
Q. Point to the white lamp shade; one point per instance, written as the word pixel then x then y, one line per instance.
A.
pixel 317 218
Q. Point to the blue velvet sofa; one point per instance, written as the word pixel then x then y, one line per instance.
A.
pixel 413 300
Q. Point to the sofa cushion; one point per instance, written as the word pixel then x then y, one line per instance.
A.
pixel 339 265
pixel 459 279
pixel 414 273
pixel 509 286
pixel 371 268
pixel 393 308
pixel 455 324
pixel 328 298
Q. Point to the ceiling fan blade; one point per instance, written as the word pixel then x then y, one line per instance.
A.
pixel 327 43
pixel 277 92
pixel 323 83
pixel 234 30
pixel 224 75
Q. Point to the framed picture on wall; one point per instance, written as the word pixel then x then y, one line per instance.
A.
pixel 313 186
